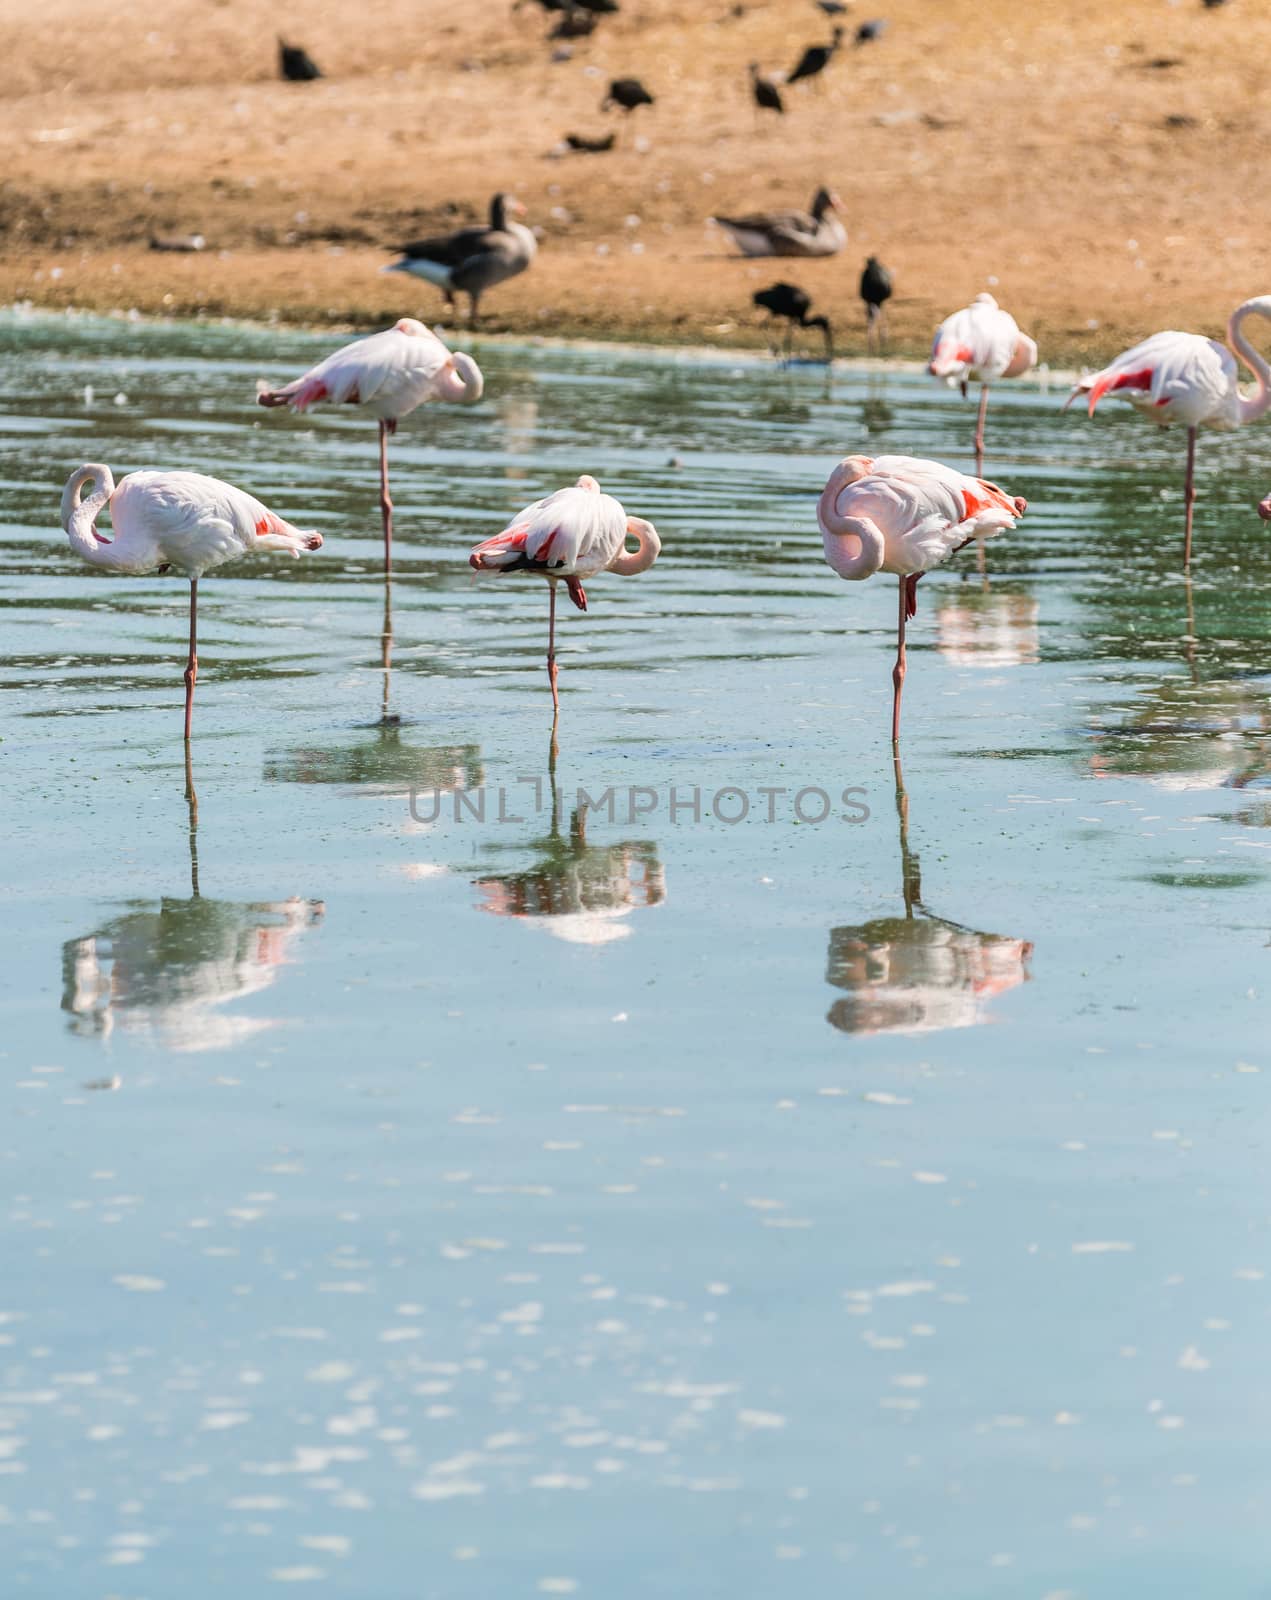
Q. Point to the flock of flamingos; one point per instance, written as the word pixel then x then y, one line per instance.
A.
pixel 896 514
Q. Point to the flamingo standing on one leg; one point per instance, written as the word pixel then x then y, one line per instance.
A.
pixel 389 374
pixel 1184 377
pixel 982 342
pixel 180 521
pixel 570 535
pixel 905 515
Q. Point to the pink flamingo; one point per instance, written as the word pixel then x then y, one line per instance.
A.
pixel 179 521
pixel 1184 377
pixel 984 342
pixel 905 515
pixel 389 374
pixel 570 535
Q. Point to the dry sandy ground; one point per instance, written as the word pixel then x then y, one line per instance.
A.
pixel 1090 160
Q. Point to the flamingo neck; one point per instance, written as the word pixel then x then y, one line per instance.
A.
pixel 80 513
pixel 461 380
pixel 648 545
pixel 1252 406
pixel 854 546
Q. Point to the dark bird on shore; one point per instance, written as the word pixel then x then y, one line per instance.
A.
pixel 832 8
pixel 1211 5
pixel 876 291
pixel 588 146
pixel 605 8
pixel 575 23
pixel 296 65
pixel 473 259
pixel 816 58
pixel 789 301
pixel 627 93
pixel 767 96
pixel 871 30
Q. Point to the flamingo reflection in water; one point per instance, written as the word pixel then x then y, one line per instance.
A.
pixel 383 761
pixel 578 892
pixel 987 628
pixel 165 973
pixel 918 973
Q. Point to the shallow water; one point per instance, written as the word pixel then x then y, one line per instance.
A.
pixel 423 1203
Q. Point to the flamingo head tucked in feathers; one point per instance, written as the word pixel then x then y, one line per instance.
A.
pixel 854 546
pixel 648 547
pixel 76 510
pixel 1024 359
pixel 460 379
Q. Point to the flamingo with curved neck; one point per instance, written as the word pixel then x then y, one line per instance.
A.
pixel 566 537
pixel 1184 377
pixel 905 515
pixel 388 374
pixel 980 342
pixel 172 522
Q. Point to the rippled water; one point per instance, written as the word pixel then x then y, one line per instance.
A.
pixel 484 1195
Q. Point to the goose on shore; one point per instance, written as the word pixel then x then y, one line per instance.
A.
pixel 817 232
pixel 473 259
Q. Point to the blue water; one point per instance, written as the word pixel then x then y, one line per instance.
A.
pixel 418 1182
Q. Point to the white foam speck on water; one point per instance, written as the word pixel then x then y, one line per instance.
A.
pixel 1101 1247
pixel 760 1419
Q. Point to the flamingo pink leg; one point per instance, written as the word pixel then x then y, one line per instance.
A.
pixel 192 664
pixel 1189 497
pixel 979 427
pixel 551 645
pixel 386 504
pixel 898 671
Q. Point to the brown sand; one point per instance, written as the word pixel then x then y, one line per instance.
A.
pixel 1089 160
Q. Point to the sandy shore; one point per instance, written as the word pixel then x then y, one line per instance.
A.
pixel 1087 162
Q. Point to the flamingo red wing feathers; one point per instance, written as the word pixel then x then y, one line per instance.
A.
pixel 1118 380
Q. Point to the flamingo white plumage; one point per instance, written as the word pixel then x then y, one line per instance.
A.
pixel 568 536
pixel 1184 377
pixel 905 515
pixel 181 521
pixel 388 374
pixel 980 342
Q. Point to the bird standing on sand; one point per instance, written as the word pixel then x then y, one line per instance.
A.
pixel 869 31
pixel 628 93
pixel 790 233
pixel 296 65
pixel 569 536
pixel 1183 377
pixel 473 259
pixel 173 521
pixel 575 23
pixel 590 145
pixel 905 515
pixel 767 95
pixel 816 58
pixel 876 291
pixel 789 301
pixel 388 374
pixel 980 342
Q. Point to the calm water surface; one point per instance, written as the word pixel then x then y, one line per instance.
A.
pixel 495 1197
